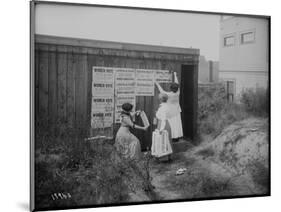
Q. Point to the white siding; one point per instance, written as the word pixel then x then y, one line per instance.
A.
pixel 249 57
pixel 246 64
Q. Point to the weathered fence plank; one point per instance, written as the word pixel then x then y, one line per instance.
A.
pixel 62 70
pixel 70 88
pixel 43 84
pixel 52 84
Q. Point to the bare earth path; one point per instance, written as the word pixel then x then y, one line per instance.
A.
pixel 233 164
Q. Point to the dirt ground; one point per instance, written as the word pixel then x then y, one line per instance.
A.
pixel 235 163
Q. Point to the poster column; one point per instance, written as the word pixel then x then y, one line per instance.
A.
pixel 102 101
pixel 124 90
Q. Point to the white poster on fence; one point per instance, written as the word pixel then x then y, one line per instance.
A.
pixel 102 103
pixel 101 120
pixel 120 100
pixel 144 82
pixel 125 82
pixel 163 76
pixel 102 111
pixel 103 81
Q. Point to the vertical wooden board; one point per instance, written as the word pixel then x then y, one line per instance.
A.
pixel 62 70
pixel 43 83
pixel 108 61
pixel 149 106
pixel 100 60
pixel 140 105
pixel 91 63
pixel 85 87
pixel 80 91
pixel 36 101
pixel 89 91
pixel 118 62
pixel 52 103
pixel 70 88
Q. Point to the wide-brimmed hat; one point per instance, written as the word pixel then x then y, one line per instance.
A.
pixel 127 107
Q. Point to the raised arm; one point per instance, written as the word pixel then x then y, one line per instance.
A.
pixel 176 78
pixel 159 87
pixel 176 81
pixel 128 122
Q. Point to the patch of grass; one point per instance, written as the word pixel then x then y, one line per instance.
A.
pixel 202 185
pixel 256 101
pixel 228 157
pixel 259 173
pixel 93 173
pixel 215 112
pixel 234 140
pixel 207 152
pixel 215 122
pixel 214 187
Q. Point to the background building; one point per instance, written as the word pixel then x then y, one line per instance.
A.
pixel 208 71
pixel 243 53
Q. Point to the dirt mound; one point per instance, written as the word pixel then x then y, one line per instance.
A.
pixel 242 149
pixel 235 163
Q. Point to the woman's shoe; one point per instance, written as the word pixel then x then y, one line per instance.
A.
pixel 175 140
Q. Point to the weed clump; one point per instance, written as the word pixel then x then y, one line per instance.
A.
pixel 215 112
pixel 90 172
pixel 256 101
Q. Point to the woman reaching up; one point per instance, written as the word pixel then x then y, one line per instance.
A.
pixel 173 108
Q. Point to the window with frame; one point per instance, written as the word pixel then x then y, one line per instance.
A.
pixel 247 37
pixel 229 41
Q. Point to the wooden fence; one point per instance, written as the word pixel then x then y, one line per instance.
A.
pixel 63 80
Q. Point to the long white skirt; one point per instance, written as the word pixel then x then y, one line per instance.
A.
pixel 176 126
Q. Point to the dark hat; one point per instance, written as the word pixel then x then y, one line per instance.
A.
pixel 127 107
pixel 174 87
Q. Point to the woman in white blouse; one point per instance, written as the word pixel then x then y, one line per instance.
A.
pixel 163 124
pixel 173 108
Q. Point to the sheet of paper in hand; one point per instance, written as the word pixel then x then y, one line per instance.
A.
pixel 144 119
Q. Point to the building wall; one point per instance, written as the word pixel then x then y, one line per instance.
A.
pixel 215 71
pixel 246 63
